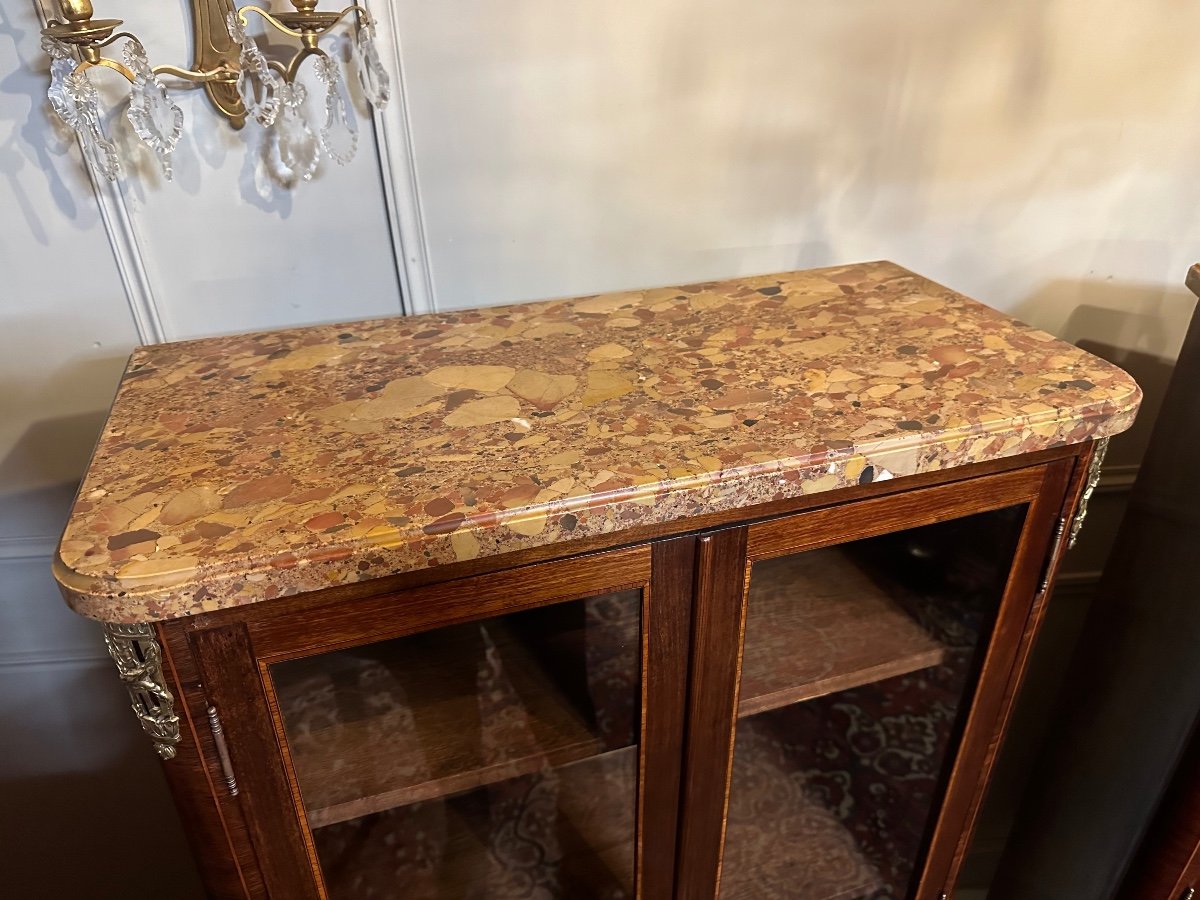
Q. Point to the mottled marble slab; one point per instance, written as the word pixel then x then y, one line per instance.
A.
pixel 239 469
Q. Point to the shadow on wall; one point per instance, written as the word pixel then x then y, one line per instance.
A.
pixel 51 455
pixel 88 814
pixel 28 145
pixel 1139 328
pixel 84 808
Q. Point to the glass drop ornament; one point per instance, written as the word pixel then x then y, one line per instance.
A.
pixel 74 100
pixel 292 149
pixel 372 75
pixel 339 132
pixel 155 119
pixel 258 84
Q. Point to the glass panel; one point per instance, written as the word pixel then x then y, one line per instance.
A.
pixel 859 663
pixel 495 759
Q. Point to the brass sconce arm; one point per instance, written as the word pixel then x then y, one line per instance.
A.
pixel 221 74
pixel 236 75
pixel 307 27
pixel 91 57
pixel 299 24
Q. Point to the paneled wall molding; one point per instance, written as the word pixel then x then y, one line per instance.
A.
pixel 398 169
pixel 1117 479
pixel 26 659
pixel 118 226
pixel 1071 583
pixel 131 265
pixel 28 546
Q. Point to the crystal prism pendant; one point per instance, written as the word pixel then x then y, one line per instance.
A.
pixel 292 150
pixel 154 118
pixel 257 84
pixel 339 133
pixel 372 75
pixel 75 101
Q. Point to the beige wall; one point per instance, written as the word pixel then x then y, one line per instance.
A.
pixel 1038 154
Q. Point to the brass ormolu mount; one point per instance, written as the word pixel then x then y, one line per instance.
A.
pixel 215 54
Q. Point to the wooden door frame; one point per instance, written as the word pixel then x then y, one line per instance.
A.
pixel 723 579
pixel 233 659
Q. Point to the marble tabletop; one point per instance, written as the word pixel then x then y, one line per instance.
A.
pixel 239 469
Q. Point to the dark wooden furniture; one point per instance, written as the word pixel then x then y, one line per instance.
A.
pixel 1112 810
pixel 1130 698
pixel 1167 864
pixel 866 580
pixel 779 674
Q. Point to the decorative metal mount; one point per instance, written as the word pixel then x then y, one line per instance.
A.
pixel 1093 479
pixel 139 663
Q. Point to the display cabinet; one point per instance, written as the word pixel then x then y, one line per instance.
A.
pixel 721 591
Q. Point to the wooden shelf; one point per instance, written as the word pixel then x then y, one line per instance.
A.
pixel 419 718
pixel 816 624
pixel 581 834
pixel 412 720
pixel 576 833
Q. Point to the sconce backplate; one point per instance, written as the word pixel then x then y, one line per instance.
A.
pixel 214 48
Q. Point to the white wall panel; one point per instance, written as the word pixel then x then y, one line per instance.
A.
pixel 82 272
pixel 65 326
pixel 1019 151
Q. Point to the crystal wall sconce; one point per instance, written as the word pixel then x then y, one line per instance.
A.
pixel 239 79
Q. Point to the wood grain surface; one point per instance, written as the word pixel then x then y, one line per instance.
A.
pixel 816 624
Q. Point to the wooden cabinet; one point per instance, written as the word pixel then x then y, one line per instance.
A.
pixel 802 705
pixel 795 689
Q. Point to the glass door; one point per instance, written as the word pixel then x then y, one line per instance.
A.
pixel 495 758
pixel 858 663
pixel 513 735
pixel 862 641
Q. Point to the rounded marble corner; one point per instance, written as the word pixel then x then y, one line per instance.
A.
pixel 1118 413
pixel 113 599
pixel 83 593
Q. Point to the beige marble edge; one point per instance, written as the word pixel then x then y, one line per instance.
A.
pixel 86 598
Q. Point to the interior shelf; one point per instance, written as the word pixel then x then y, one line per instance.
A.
pixel 435 714
pixel 578 833
pixel 462 707
pixel 816 624
pixel 563 832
